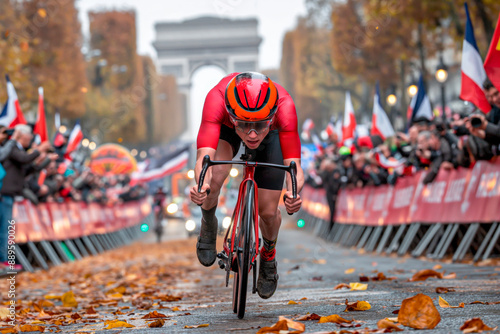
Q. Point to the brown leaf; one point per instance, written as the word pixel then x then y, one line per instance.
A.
pixel 157 323
pixel 419 312
pixel 450 276
pixel 76 316
pixel 154 315
pixel 68 300
pixel 308 317
pixel 276 328
pixel 422 275
pixel 8 330
pixel 293 324
pixel 444 290
pixel 475 325
pixel 335 318
pixel 90 310
pixel 317 278
pixel 196 326
pixel 32 328
pixel 380 277
pixel 386 324
pixel 342 286
pixel 395 312
pixel 357 306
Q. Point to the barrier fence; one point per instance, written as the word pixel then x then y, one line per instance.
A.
pixel 52 233
pixel 459 211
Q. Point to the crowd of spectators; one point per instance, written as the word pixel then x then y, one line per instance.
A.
pixel 441 143
pixel 42 173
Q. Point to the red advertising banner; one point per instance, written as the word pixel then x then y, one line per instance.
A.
pixel 456 196
pixel 60 221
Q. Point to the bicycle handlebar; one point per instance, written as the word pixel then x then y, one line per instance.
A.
pixel 292 169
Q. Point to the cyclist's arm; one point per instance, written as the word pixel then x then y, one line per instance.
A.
pixel 200 153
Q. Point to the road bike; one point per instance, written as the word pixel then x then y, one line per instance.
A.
pixel 241 242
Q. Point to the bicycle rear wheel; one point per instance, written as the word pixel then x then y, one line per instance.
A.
pixel 244 254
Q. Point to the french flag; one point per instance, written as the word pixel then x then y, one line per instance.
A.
pixel 41 123
pixel 420 106
pixel 349 127
pixel 75 138
pixel 381 125
pixel 338 130
pixel 473 74
pixel 11 114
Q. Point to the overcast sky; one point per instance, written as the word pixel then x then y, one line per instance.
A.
pixel 275 18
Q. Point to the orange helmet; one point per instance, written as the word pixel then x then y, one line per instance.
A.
pixel 251 96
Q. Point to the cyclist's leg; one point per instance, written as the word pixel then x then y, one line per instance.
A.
pixel 206 247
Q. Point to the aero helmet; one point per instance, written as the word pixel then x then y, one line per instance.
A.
pixel 251 96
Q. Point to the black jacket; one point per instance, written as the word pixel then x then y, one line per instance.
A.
pixel 17 166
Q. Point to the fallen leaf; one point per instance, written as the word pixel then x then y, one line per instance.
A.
pixel 320 261
pixel 276 328
pixel 349 271
pixel 358 286
pixel 475 325
pixel 31 328
pixel 444 290
pixel 297 267
pixel 176 309
pixel 68 300
pixel 154 315
pixel 307 317
pixel 392 319
pixel 4 313
pixel 9 330
pixel 76 316
pixel 437 267
pixel 317 278
pixel 386 324
pixel 422 275
pixel 196 326
pixel 117 324
pixel 357 306
pixel 335 318
pixel 419 312
pixel 303 298
pixel 52 297
pixel 451 276
pixel 380 277
pixel 157 323
pixel 395 312
pixel 90 310
pixel 444 304
pixel 341 286
pixel 293 324
pixel 291 302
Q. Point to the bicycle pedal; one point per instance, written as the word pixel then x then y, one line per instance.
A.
pixel 222 265
pixel 222 255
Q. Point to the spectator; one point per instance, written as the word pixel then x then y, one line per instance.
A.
pixel 17 166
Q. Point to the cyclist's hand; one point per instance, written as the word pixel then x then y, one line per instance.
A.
pixel 292 205
pixel 199 198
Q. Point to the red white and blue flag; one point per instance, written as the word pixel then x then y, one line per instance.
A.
pixel 492 61
pixel 473 74
pixel 40 128
pixel 381 125
pixel 420 106
pixel 75 138
pixel 349 127
pixel 11 114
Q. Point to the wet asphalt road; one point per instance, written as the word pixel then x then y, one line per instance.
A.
pixel 310 268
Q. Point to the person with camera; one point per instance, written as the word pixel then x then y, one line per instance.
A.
pixel 17 165
pixel 433 153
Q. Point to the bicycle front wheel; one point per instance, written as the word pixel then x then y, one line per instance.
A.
pixel 245 240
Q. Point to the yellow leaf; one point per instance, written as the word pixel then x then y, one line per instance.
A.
pixel 116 295
pixel 9 330
pixel 335 318
pixel 293 324
pixel 196 326
pixel 117 324
pixel 358 286
pixel 437 266
pixel 4 313
pixel 38 322
pixel 52 297
pixel 68 300
pixel 357 306
pixel 443 303
pixel 303 298
pixel 42 12
pixel 176 309
pixel 363 306
pixel 30 328
pixel 349 271
pixel 291 302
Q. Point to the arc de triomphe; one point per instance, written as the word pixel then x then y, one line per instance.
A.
pixel 184 47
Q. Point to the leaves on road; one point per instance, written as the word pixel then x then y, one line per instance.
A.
pixel 117 324
pixel 342 286
pixel 335 318
pixel 386 324
pixel 349 271
pixel 307 317
pixel 475 325
pixel 154 315
pixel 68 300
pixel 358 286
pixel 157 323
pixel 444 290
pixel 419 312
pixel 380 277
pixel 444 304
pixel 284 325
pixel 357 306
pixel 196 326
pixel 423 275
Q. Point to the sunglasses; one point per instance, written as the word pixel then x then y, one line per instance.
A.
pixel 246 127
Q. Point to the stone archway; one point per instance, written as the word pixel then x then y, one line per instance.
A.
pixel 184 47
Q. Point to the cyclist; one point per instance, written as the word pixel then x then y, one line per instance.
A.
pixel 250 108
pixel 158 206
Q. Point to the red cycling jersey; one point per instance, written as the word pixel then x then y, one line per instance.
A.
pixel 215 114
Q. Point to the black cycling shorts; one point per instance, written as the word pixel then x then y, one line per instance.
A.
pixel 268 151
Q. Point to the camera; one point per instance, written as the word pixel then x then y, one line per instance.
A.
pixel 475 122
pixel 10 132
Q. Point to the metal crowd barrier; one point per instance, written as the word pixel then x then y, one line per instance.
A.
pixel 52 233
pixel 457 214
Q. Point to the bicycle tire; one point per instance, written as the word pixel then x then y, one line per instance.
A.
pixel 245 243
pixel 235 293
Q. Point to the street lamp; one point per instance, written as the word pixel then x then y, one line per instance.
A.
pixel 392 99
pixel 412 90
pixel 441 76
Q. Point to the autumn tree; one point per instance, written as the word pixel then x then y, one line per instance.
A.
pixel 57 62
